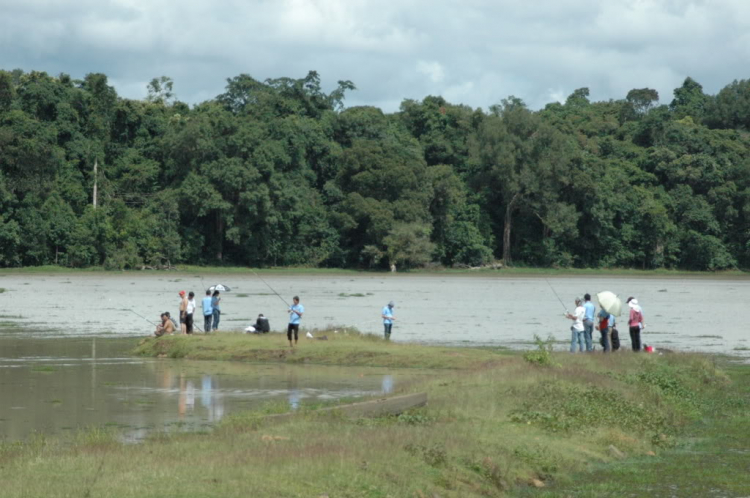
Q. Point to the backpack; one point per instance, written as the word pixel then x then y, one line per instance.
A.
pixel 615 340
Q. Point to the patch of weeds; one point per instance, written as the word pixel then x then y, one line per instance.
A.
pixel 414 418
pixel 742 348
pixel 542 355
pixel 489 470
pixel 356 294
pixel 709 336
pixel 242 295
pixel 55 402
pixel 43 368
pixel 434 456
pixel 565 408
pixel 539 458
pixel 2 289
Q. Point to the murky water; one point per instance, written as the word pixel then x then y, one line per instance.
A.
pixel 64 337
pixel 694 313
pixel 53 386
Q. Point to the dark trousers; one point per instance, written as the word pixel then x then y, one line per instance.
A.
pixel 189 323
pixel 606 340
pixel 207 323
pixel 635 338
pixel 387 331
pixel 293 327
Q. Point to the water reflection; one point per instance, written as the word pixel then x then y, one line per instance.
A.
pixel 40 388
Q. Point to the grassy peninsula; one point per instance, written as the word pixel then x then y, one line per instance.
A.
pixel 498 423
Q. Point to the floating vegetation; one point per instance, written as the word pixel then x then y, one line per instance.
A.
pixel 43 369
pixel 2 289
pixel 357 294
pixel 709 336
pixel 243 295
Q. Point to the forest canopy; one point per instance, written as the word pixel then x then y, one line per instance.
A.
pixel 281 173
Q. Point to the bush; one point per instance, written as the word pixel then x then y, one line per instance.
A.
pixel 542 355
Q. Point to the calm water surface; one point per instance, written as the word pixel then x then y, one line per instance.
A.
pixel 686 313
pixel 53 386
pixel 64 337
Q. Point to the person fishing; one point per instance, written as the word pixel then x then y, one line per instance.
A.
pixel 189 312
pixel 387 316
pixel 577 334
pixel 165 327
pixel 588 321
pixel 295 314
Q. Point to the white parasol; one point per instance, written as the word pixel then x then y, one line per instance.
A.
pixel 610 302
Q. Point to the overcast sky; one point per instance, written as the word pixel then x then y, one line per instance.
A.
pixel 475 52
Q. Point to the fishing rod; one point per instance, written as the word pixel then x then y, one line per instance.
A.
pixel 272 289
pixel 132 311
pixel 558 297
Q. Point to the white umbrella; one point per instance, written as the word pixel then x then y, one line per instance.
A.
pixel 610 302
pixel 220 288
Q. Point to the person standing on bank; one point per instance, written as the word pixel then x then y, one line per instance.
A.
pixel 208 312
pixel 215 300
pixel 577 335
pixel 605 329
pixel 183 312
pixel 189 312
pixel 588 321
pixel 295 313
pixel 387 315
pixel 635 322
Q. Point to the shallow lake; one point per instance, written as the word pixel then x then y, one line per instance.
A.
pixel 686 313
pixel 64 338
pixel 54 386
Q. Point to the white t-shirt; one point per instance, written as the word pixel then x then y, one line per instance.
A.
pixel 190 306
pixel 579 313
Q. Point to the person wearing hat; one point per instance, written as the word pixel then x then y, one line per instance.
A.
pixel 577 334
pixel 387 315
pixel 635 322
pixel 183 312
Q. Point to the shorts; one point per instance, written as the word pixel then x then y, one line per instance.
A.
pixel 182 317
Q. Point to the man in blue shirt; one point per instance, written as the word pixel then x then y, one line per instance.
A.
pixel 387 315
pixel 588 320
pixel 208 312
pixel 295 313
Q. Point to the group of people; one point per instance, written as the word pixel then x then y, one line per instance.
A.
pixel 584 318
pixel 211 314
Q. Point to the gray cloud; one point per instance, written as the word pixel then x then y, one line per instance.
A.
pixel 475 52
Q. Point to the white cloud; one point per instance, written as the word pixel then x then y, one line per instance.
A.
pixel 472 51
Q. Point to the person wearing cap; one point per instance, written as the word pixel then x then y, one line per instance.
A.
pixel 183 312
pixel 387 315
pixel 577 334
pixel 635 322
pixel 295 313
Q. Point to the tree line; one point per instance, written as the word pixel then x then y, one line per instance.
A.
pixel 281 173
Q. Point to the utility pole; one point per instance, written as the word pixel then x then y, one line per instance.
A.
pixel 95 168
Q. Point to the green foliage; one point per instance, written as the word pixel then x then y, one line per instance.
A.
pixel 542 355
pixel 280 173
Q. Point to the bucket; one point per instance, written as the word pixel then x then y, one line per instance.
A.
pixel 649 349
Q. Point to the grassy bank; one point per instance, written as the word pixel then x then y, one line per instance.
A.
pixel 342 347
pixel 497 424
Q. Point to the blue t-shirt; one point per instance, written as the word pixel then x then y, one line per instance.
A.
pixel 207 309
pixel 387 312
pixel 215 303
pixel 294 317
pixel 611 321
pixel 590 309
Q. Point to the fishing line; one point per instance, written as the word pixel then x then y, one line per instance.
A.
pixel 132 311
pixel 558 297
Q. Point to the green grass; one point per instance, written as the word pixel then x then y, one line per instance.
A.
pixel 345 346
pixel 496 422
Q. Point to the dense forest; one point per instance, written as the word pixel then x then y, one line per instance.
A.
pixel 281 173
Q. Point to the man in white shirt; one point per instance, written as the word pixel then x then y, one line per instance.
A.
pixel 576 330
pixel 190 309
